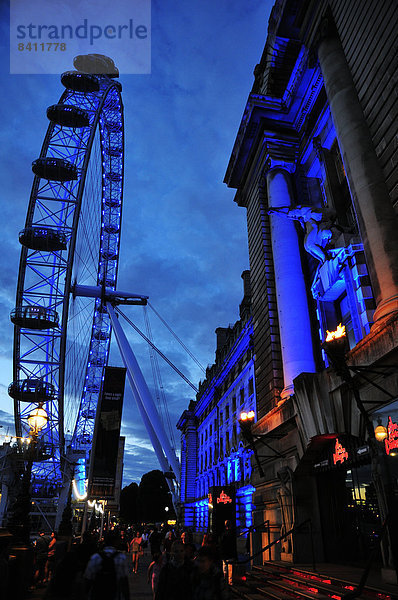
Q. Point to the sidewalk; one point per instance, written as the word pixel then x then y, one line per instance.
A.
pixel 139 588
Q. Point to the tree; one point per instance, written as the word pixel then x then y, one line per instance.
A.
pixel 128 503
pixel 153 498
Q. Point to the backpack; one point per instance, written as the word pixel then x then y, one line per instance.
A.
pixel 105 583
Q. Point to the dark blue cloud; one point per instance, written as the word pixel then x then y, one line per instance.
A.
pixel 184 240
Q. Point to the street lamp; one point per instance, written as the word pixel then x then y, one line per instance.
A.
pixel 244 416
pixel 37 420
pixel 246 421
pixel 336 347
pixel 380 432
pixel 19 518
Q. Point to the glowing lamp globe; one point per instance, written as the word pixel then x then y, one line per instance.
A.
pixel 37 419
pixel 380 433
pixel 250 415
pixel 243 416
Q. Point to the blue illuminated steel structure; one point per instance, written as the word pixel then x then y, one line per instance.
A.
pixel 71 234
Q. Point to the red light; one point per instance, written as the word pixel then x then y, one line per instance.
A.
pixel 244 578
pixel 224 498
pixel 340 453
pixel 327 581
pixel 313 590
pixel 336 597
pixel 391 441
pixel 349 587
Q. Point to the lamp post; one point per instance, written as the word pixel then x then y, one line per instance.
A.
pixel 336 347
pixel 246 422
pixel 19 523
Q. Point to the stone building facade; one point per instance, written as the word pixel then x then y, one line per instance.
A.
pixel 315 166
pixel 212 450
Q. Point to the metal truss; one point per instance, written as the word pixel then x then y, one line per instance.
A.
pixel 85 212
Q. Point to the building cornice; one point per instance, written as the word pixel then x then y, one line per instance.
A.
pixel 240 346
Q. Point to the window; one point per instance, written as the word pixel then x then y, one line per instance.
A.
pixel 234 434
pixel 242 395
pixel 340 191
pixel 201 439
pixel 221 447
pixel 234 404
pixel 251 386
pixel 227 411
pixel 206 435
pixel 227 443
pixel 221 418
pixel 211 430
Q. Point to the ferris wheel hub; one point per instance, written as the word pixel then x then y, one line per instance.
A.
pixel 108 295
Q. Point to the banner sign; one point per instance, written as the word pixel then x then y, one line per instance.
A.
pixel 104 453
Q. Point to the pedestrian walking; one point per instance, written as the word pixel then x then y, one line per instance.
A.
pixel 208 579
pixel 168 541
pixel 106 575
pixel 40 556
pixel 155 540
pixel 154 572
pixel 175 579
pixel 228 543
pixel 50 564
pixel 145 537
pixel 136 550
pixel 228 550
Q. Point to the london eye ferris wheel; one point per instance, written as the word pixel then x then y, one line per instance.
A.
pixel 71 236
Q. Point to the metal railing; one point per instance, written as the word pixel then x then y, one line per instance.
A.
pixel 282 537
pixel 362 582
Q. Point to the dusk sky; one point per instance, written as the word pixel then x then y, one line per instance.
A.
pixel 184 240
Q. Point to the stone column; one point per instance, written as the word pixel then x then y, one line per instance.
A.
pixel 292 301
pixel 375 212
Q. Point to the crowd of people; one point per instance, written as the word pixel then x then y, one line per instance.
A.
pixel 185 571
pixel 97 567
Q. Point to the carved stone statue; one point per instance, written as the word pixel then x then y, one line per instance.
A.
pixel 317 224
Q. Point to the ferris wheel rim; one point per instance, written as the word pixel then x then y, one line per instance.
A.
pixel 112 87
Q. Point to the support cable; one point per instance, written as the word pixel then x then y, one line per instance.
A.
pixel 176 369
pixel 201 367
pixel 157 376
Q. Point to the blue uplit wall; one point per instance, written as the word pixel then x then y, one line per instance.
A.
pixel 221 457
pixel 341 286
